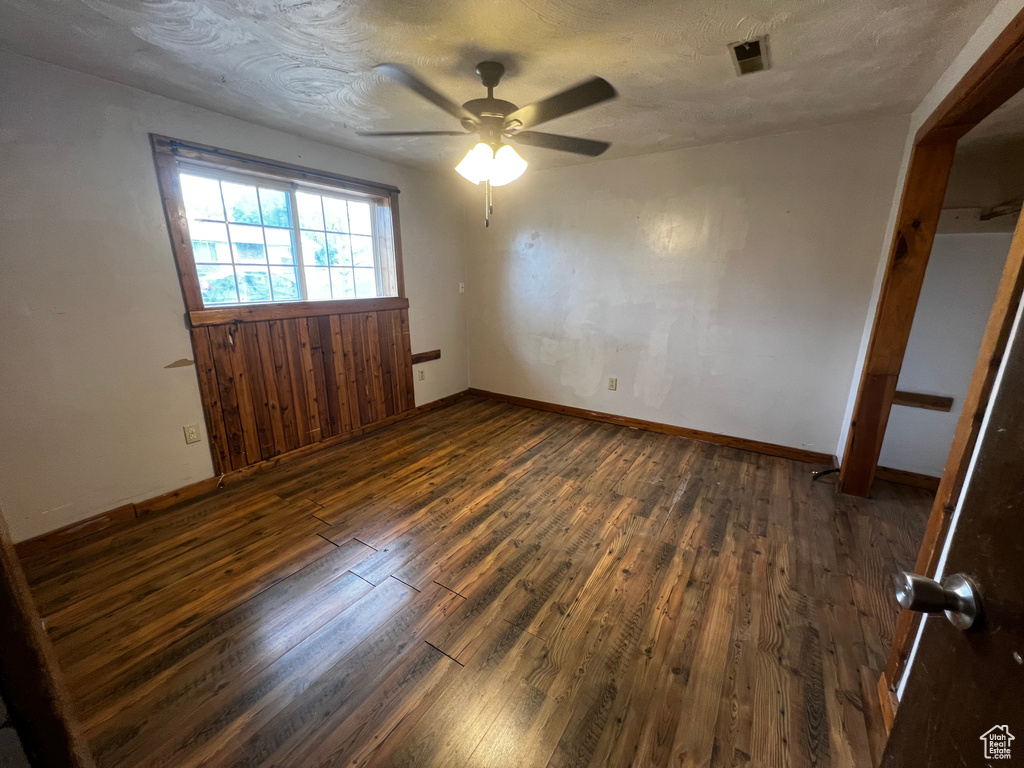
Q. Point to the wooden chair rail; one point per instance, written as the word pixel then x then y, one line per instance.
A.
pixel 254 312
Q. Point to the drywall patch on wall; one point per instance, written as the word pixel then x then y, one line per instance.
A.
pixel 724 287
pixel 653 373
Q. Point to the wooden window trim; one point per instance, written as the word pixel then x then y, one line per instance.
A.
pixel 167 152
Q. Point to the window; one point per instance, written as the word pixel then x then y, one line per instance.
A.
pixel 248 232
pixel 255 242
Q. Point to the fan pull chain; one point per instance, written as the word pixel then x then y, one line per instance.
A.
pixel 488 203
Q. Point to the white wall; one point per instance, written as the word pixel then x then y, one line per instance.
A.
pixel 956 298
pixel 724 286
pixel 995 22
pixel 90 308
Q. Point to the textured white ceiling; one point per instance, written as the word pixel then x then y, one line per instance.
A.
pixel 305 65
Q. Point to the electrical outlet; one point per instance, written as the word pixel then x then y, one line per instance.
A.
pixel 422 374
pixel 192 433
pixel 613 384
pixel 462 287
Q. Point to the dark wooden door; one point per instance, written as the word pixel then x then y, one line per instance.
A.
pixel 963 684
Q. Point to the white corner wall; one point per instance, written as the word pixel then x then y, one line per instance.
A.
pixel 90 308
pixel 723 286
pixel 1000 17
pixel 956 299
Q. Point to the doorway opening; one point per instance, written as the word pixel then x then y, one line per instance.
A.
pixel 987 89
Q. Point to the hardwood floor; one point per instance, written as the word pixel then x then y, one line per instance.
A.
pixel 488 585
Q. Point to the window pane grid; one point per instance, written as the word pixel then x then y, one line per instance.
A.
pixel 237 268
pixel 338 247
pixel 258 244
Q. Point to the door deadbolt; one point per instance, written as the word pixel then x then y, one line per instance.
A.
pixel 956 597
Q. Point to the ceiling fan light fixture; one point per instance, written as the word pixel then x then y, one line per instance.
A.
pixel 482 163
pixel 508 166
pixel 476 165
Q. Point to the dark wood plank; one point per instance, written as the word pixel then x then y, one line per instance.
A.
pixel 322 379
pixel 221 342
pixel 405 344
pixel 424 357
pixel 285 385
pixel 386 354
pixel 311 403
pixel 343 338
pixel 357 352
pixel 262 395
pixel 502 586
pixel 371 347
pixel 267 368
pixel 241 377
pixel 919 400
pixel 206 373
pixel 336 404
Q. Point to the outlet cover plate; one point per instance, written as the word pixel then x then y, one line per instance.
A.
pixel 192 434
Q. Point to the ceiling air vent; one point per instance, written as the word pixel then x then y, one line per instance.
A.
pixel 750 55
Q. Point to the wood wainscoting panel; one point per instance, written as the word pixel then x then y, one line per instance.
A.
pixel 273 386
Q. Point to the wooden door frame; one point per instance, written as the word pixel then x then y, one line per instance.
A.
pixel 32 684
pixel 996 76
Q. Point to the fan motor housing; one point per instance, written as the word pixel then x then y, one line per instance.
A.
pixel 491 113
pixel 490 107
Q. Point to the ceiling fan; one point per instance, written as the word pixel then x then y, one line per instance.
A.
pixel 492 161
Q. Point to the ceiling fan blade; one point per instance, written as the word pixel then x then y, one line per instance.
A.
pixel 572 144
pixel 586 94
pixel 412 81
pixel 412 133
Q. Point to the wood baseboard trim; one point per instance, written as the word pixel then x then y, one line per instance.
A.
pixel 874 715
pixel 757 446
pixel 90 525
pixel 888 702
pixel 901 476
pixel 126 513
